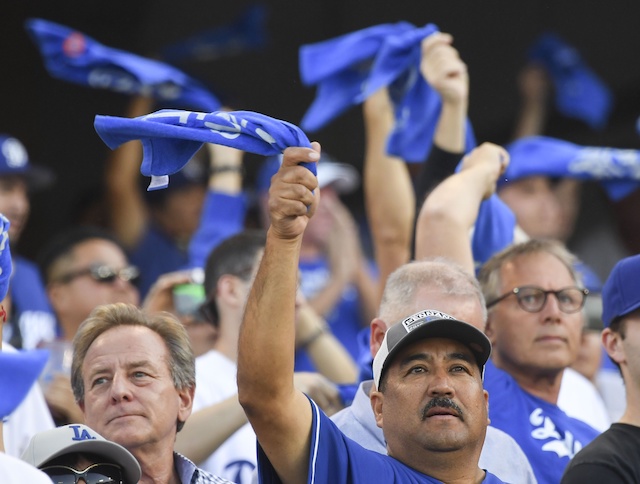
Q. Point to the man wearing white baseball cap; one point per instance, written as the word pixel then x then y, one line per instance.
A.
pixel 71 452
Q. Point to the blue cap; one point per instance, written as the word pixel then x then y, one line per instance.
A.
pixel 621 291
pixel 14 161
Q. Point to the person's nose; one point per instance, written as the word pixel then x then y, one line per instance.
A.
pixel 441 384
pixel 120 388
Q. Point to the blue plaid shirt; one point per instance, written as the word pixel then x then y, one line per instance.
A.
pixel 190 474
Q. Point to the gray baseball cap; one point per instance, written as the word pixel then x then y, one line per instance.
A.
pixel 429 324
pixel 77 438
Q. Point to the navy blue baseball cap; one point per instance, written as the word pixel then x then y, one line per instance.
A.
pixel 621 291
pixel 14 161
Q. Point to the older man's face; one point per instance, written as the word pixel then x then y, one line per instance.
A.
pixel 433 400
pixel 129 393
pixel 544 342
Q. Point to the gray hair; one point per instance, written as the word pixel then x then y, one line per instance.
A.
pixel 438 273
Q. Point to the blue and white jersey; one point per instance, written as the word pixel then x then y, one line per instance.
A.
pixel 334 458
pixel 547 435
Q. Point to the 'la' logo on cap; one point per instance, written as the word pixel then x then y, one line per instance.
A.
pixel 80 433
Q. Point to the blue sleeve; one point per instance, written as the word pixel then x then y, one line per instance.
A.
pixel 335 458
pixel 222 216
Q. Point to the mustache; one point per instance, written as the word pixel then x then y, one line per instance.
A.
pixel 441 402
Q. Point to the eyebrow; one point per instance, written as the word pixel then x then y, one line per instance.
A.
pixel 129 366
pixel 428 357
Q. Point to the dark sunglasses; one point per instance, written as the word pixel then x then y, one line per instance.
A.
pixel 104 274
pixel 532 298
pixel 94 474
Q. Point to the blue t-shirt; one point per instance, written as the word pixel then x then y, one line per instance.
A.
pixel 32 319
pixel 547 435
pixel 334 458
pixel 222 216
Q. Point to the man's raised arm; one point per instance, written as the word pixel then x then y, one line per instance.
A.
pixel 280 415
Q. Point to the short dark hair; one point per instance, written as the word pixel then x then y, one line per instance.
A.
pixel 235 256
pixel 62 245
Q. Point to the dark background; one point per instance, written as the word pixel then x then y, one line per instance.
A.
pixel 54 119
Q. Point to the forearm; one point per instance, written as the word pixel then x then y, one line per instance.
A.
pixel 269 324
pixel 208 428
pixel 388 191
pixel 450 133
pixel 447 216
pixel 328 355
pixel 127 209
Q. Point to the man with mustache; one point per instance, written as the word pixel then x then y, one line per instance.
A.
pixel 429 355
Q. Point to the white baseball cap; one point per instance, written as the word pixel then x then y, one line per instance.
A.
pixel 77 438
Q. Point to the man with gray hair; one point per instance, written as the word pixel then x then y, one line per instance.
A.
pixel 133 376
pixel 443 285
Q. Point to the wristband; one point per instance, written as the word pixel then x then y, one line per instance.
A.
pixel 311 339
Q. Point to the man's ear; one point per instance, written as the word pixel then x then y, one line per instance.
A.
pixel 377 402
pixel 227 290
pixel 612 341
pixel 489 330
pixel 185 397
pixel 486 402
pixel 378 330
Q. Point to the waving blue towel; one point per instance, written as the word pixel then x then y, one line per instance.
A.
pixel 171 137
pixel 245 33
pixel 579 91
pixel 348 69
pixel 72 56
pixel 617 169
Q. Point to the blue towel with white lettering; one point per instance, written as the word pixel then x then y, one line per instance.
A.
pixel 349 68
pixel 171 137
pixel 618 170
pixel 73 56
pixel 580 93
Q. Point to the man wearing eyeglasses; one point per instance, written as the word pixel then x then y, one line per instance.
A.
pixel 83 268
pixel 534 300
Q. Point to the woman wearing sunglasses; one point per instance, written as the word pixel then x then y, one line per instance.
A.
pixel 74 454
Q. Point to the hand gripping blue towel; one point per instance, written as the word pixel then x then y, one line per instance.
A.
pixel 348 69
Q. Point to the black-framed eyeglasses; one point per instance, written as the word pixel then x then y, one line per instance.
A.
pixel 94 474
pixel 532 298
pixel 103 274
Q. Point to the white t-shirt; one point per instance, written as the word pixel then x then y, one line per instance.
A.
pixel 31 416
pixel 579 398
pixel 15 471
pixel 236 459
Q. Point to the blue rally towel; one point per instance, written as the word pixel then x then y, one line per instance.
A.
pixel 617 169
pixel 493 231
pixel 18 372
pixel 348 69
pixel 72 56
pixel 171 137
pixel 246 33
pixel 579 91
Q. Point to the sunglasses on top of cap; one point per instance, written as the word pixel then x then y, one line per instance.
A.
pixel 103 274
pixel 532 298
pixel 94 474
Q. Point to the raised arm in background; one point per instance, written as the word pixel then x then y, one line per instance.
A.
pixel 451 209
